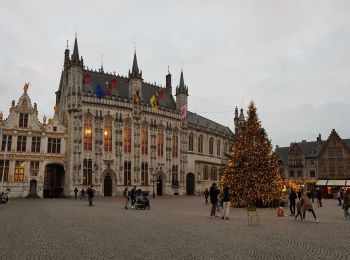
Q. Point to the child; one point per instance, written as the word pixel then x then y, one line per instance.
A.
pixel 299 210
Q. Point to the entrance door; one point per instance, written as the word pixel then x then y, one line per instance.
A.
pixel 53 181
pixel 32 188
pixel 190 184
pixel 107 184
pixel 159 187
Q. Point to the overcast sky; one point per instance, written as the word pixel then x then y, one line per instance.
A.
pixel 291 57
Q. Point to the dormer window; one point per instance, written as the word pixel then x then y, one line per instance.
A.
pixel 23 120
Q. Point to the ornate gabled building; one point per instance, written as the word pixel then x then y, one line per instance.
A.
pixel 114 132
pixel 318 163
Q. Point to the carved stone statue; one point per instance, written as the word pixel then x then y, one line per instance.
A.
pixel 25 87
pixel 1 115
pixel 44 120
pixel 65 121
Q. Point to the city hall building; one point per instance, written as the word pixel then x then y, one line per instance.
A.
pixel 112 132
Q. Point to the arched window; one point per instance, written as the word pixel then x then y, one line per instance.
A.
pixel 88 134
pixel 175 145
pixel 144 140
pixel 218 148
pixel 211 145
pixel 205 173
pixel 200 144
pixel 190 142
pixel 107 135
pixel 127 138
pixel 214 174
pixel 160 142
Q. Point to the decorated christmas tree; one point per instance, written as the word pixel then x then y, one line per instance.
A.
pixel 252 172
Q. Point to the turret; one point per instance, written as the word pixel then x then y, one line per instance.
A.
pixel 181 93
pixel 75 56
pixel 135 80
pixel 135 72
pixel 235 120
pixel 168 83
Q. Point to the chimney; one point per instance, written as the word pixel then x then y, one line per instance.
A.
pixel 303 141
pixel 319 138
pixel 168 82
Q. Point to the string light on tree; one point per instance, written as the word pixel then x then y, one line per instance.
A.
pixel 252 172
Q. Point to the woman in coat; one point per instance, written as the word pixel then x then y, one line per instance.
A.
pixel 306 205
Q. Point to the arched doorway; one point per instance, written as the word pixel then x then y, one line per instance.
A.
pixel 161 184
pixel 32 189
pixel 109 183
pixel 53 181
pixel 107 186
pixel 190 184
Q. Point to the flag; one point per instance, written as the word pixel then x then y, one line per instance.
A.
pixel 154 103
pixel 183 112
pixel 87 79
pixel 136 97
pixel 99 91
pixel 160 94
pixel 113 83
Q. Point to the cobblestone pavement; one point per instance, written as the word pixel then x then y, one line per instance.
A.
pixel 174 228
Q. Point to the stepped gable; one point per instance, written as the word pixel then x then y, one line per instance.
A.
pixel 204 124
pixel 122 89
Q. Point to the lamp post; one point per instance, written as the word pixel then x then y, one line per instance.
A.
pixel 3 168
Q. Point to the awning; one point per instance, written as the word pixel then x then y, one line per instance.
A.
pixel 348 183
pixel 336 183
pixel 321 183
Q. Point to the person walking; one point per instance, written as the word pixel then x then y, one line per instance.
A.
pixel 226 203
pixel 126 197
pixel 90 193
pixel 299 195
pixel 206 195
pixel 319 197
pixel 75 192
pixel 133 195
pixel 213 193
pixel 292 198
pixel 346 204
pixel 339 198
pixel 306 205
pixel 82 193
pixel 299 211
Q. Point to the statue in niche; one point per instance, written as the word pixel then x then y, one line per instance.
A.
pixel 25 87
pixel 44 120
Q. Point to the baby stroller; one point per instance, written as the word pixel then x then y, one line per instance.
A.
pixel 142 202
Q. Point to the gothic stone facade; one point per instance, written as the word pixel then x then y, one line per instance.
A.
pixel 115 141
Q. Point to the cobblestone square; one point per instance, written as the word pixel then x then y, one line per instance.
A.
pixel 174 228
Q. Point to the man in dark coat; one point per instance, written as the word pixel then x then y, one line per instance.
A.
pixel 213 192
pixel 133 194
pixel 319 197
pixel 90 193
pixel 292 197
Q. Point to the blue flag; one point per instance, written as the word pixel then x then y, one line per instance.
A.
pixel 99 91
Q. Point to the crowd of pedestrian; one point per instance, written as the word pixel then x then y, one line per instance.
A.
pixel 218 200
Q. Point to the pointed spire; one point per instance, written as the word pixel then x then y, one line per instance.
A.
pixel 135 72
pixel 182 88
pixel 75 55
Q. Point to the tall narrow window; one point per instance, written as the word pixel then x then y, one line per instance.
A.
pixel 107 135
pixel 218 148
pixel 214 174
pixel 200 144
pixel 225 147
pixel 23 120
pixel 190 142
pixel 175 180
pixel 19 171
pixel 160 142
pixel 21 143
pixel 144 140
pixel 4 168
pixel 34 168
pixel 6 143
pixel 53 145
pixel 175 146
pixel 211 146
pixel 127 173
pixel 127 139
pixel 87 172
pixel 205 173
pixel 36 141
pixel 88 134
pixel 144 173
